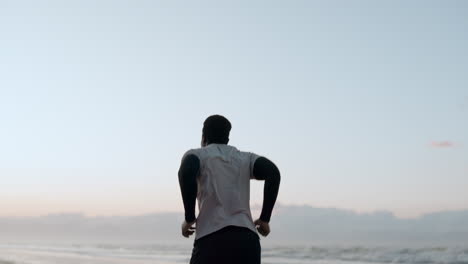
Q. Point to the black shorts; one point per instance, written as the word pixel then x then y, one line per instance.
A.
pixel 231 244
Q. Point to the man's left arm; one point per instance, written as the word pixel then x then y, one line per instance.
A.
pixel 188 172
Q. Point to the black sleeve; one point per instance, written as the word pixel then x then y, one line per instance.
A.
pixel 266 170
pixel 188 172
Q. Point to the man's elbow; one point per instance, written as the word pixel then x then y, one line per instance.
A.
pixel 277 178
pixel 275 175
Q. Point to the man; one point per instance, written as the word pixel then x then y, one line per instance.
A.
pixel 218 176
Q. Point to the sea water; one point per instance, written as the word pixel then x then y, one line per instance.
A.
pixel 11 253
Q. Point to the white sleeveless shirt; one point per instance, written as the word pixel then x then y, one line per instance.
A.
pixel 223 188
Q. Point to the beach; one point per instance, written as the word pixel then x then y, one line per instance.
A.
pixel 177 253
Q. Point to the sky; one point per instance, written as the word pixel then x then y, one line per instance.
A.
pixel 363 105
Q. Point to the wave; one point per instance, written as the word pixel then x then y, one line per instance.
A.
pixel 270 254
pixel 431 255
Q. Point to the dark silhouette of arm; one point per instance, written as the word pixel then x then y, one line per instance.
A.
pixel 188 172
pixel 266 170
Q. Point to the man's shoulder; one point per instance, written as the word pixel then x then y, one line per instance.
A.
pixel 212 150
pixel 194 151
pixel 249 153
pixel 243 153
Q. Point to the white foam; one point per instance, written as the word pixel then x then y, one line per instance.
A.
pixel 172 254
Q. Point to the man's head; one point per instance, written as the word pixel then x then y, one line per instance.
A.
pixel 216 130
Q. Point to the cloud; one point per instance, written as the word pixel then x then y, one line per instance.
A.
pixel 442 144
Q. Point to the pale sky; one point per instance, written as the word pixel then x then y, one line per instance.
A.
pixel 363 105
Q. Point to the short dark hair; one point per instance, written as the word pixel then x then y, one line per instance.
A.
pixel 216 129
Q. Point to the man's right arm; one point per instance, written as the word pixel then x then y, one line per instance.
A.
pixel 266 170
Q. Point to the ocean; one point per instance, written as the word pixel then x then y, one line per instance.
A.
pixel 180 253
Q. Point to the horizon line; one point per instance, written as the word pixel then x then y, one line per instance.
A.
pixel 254 207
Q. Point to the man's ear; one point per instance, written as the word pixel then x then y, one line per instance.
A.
pixel 203 141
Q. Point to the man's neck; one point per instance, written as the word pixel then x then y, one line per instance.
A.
pixel 211 143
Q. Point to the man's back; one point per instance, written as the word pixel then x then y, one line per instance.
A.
pixel 223 188
pixel 218 176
